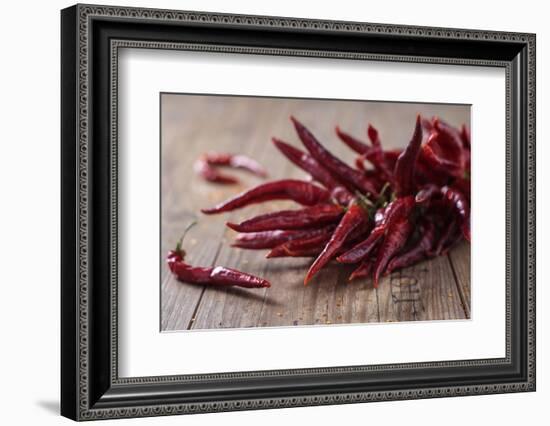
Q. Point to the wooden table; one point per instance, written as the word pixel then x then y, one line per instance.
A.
pixel 438 289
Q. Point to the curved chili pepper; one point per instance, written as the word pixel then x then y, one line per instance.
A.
pixel 445 237
pixel 360 163
pixel 378 158
pixel 357 253
pixel 353 179
pixel 427 124
pixel 426 193
pixel 450 137
pixel 353 143
pixel 417 252
pixel 373 154
pixel 307 163
pixel 384 219
pixel 217 275
pixel 270 239
pixel 306 252
pixel 320 214
pixel 237 161
pixel 354 218
pixel 393 242
pixel 464 186
pixel 362 250
pixel 203 166
pixel 211 174
pixel 391 157
pixel 438 162
pixel 458 201
pixel 341 196
pixel 404 172
pixel 299 246
pixel 363 271
pixel 299 191
pixel 374 137
pixel 443 151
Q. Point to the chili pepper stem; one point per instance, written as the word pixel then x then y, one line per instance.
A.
pixel 179 250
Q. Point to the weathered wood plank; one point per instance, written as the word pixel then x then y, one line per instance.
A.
pixel 426 291
pixel 460 262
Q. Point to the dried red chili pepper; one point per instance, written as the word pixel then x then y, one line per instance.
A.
pixel 351 178
pixel 306 252
pixel 427 124
pixel 384 219
pixel 204 166
pixel 302 245
pixel 364 248
pixel 360 163
pixel 416 253
pixel 301 192
pixel 354 218
pixel 217 275
pixel 211 174
pixel 363 271
pixel 307 163
pixel 373 154
pixel 426 193
pixel 271 239
pixel 374 136
pixel 460 205
pixel 354 144
pixel 378 158
pixel 237 161
pixel 404 172
pixel 446 236
pixel 464 186
pixel 450 137
pixel 308 217
pixel 443 151
pixel 393 242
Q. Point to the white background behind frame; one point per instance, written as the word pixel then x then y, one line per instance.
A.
pixel 32 340
pixel 144 351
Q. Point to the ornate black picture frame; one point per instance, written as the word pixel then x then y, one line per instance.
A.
pixel 91 36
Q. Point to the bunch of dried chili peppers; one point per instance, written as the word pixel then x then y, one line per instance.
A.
pixel 409 205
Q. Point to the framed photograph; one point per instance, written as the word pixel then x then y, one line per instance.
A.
pixel 263 212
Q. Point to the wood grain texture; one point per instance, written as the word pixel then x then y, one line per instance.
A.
pixel 460 262
pixel 192 125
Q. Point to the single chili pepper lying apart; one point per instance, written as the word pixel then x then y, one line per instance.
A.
pixel 217 275
pixel 205 166
pixel 412 205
